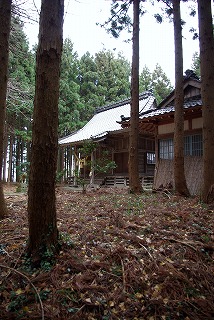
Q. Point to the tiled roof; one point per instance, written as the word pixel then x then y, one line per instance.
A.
pixel 106 117
pixel 188 103
pixel 190 79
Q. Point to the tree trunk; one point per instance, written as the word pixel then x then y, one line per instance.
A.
pixel 60 164
pixel 179 175
pixel 134 180
pixel 206 41
pixel 18 162
pixel 5 20
pixel 4 172
pixel 10 161
pixel 43 234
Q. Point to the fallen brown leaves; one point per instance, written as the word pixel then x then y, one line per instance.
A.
pixel 123 257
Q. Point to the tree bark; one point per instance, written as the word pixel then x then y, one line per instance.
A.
pixel 17 161
pixel 10 160
pixel 43 233
pixel 179 174
pixel 5 21
pixel 4 172
pixel 134 179
pixel 206 41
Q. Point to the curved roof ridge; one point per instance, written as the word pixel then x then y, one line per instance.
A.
pixel 142 95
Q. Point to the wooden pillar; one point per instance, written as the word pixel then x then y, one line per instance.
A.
pixel 156 153
pixel 75 168
pixel 70 161
pixel 92 169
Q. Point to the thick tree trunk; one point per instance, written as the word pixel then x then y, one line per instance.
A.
pixel 43 233
pixel 5 20
pixel 179 175
pixel 134 180
pixel 207 91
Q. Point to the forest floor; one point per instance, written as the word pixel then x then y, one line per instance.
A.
pixel 123 256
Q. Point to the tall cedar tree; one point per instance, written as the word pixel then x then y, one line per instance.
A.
pixel 43 233
pixel 179 174
pixel 206 41
pixel 134 181
pixel 5 21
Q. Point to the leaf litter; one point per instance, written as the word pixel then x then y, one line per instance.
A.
pixel 123 256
